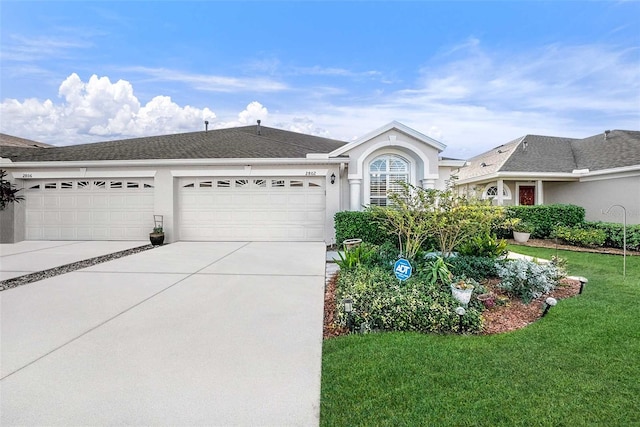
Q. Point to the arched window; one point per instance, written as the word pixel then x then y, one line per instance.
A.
pixel 384 174
pixel 491 191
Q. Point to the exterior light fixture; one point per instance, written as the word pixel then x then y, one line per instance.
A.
pixel 460 311
pixel 348 309
pixel 333 178
pixel 583 281
pixel 550 302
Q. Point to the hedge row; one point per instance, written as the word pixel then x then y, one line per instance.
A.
pixel 360 225
pixel 614 234
pixel 545 218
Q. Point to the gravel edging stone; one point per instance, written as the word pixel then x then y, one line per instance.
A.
pixel 67 268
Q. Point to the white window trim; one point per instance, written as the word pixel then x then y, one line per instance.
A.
pixel 506 191
pixel 390 153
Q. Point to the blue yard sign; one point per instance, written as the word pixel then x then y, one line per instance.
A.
pixel 402 269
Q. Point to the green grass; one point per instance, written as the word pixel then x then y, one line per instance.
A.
pixel 579 365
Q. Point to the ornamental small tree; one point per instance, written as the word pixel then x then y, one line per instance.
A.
pixel 416 214
pixel 8 192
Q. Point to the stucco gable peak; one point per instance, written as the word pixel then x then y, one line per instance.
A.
pixel 391 126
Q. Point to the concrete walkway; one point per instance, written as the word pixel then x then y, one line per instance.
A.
pixel 185 334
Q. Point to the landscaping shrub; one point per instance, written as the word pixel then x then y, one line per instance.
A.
pixel 419 216
pixel 483 245
pixel 614 234
pixel 478 268
pixel 360 225
pixel 351 258
pixel 545 218
pixel 528 280
pixel 580 236
pixel 380 302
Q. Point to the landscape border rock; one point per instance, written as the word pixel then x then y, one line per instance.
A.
pixel 67 268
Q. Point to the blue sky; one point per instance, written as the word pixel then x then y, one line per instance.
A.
pixel 472 75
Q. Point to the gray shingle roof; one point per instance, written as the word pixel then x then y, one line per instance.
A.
pixel 547 154
pixel 541 154
pixel 14 141
pixel 620 149
pixel 240 142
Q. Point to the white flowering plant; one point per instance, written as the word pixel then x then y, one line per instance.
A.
pixel 528 280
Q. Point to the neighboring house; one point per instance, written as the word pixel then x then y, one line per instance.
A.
pixel 245 183
pixel 595 173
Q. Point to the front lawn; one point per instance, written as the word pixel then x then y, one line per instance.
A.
pixel 579 365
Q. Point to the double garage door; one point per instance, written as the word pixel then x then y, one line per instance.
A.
pixel 240 209
pixel 89 209
pixel 286 209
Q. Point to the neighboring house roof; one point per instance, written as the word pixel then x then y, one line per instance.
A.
pixel 14 141
pixel 241 142
pixel 621 148
pixel 556 155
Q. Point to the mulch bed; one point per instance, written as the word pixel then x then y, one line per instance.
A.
pixel 515 314
pixel 551 244
pixel 498 319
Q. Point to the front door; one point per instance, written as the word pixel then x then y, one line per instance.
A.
pixel 527 195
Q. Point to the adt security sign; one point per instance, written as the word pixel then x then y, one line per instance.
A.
pixel 402 269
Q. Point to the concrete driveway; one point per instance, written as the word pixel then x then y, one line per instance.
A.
pixel 185 334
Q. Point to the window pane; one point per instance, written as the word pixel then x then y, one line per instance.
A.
pixel 223 183
pixel 206 184
pixel 378 186
pixel 295 183
pixel 379 165
pixel 277 183
pixel 397 165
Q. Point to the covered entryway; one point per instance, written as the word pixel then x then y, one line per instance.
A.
pixel 89 209
pixel 252 208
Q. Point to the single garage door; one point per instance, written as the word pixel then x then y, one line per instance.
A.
pixel 244 209
pixel 89 209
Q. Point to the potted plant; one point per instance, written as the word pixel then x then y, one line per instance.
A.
pixel 522 231
pixel 157 235
pixel 462 288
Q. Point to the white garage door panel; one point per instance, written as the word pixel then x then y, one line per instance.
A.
pixel 252 209
pixel 80 209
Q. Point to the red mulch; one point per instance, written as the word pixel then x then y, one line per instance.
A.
pixel 330 328
pixel 509 317
pixel 515 314
pixel 551 244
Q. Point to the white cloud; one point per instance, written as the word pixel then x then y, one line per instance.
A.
pixel 213 83
pixel 97 109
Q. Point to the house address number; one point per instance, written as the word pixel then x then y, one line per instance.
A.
pixel 27 175
pixel 311 173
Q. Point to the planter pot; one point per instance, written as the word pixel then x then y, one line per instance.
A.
pixel 156 239
pixel 462 295
pixel 488 300
pixel 521 237
pixel 351 243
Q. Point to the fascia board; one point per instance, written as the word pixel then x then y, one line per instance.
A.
pixel 171 162
pixel 452 163
pixel 514 176
pixel 394 124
